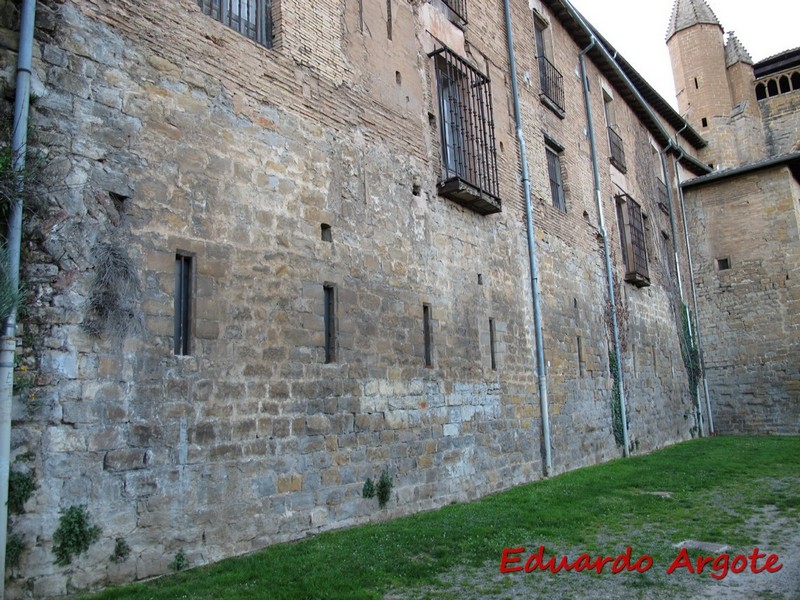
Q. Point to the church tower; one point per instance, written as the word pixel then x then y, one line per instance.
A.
pixel 714 85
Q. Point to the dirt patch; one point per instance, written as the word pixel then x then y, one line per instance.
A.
pixel 775 534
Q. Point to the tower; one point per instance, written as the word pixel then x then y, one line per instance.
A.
pixel 714 85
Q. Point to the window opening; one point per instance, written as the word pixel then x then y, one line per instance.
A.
pixel 632 239
pixel 329 316
pixel 326 232
pixel 556 181
pixel 182 321
pixel 492 338
pixel 427 334
pixel 252 18
pixel 469 158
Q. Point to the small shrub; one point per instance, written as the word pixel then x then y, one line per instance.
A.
pixel 369 489
pixel 20 487
pixel 384 489
pixel 180 562
pixel 121 551
pixel 15 546
pixel 74 535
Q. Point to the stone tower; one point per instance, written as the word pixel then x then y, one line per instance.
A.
pixel 714 85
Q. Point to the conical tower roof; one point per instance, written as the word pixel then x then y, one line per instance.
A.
pixel 736 52
pixel 686 13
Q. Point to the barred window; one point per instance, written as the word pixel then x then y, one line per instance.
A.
pixel 550 79
pixel 469 158
pixel 556 182
pixel 252 18
pixel 458 10
pixel 632 239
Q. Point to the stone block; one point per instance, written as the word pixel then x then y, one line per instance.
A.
pixel 128 459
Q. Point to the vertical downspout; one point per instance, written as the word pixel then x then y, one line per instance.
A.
pixel 541 367
pixel 8 343
pixel 606 250
pixel 711 430
pixel 684 306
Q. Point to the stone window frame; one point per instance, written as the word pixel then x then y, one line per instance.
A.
pixel 258 26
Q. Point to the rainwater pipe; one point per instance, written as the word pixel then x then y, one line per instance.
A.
pixel 8 342
pixel 684 306
pixel 711 429
pixel 606 249
pixel 541 367
pixel 670 144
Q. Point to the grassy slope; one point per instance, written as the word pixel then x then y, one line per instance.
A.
pixel 717 484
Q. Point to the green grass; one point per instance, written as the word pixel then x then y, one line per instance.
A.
pixel 717 485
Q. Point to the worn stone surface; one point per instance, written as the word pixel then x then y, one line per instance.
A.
pixel 164 144
pixel 749 312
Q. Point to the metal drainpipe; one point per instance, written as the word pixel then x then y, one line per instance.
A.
pixel 537 312
pixel 711 430
pixel 684 307
pixel 8 344
pixel 606 250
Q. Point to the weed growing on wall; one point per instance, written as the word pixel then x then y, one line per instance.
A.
pixel 384 488
pixel 20 487
pixel 115 293
pixel 74 535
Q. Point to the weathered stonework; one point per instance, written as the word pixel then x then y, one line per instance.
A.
pixel 175 134
pixel 751 221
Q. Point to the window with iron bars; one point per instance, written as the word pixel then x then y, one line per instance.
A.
pixel 556 182
pixel 458 8
pixel 252 18
pixel 550 79
pixel 634 247
pixel 617 150
pixel 469 158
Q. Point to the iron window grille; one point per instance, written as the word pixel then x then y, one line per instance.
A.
pixel 556 182
pixel 552 82
pixel 617 150
pixel 469 158
pixel 634 247
pixel 663 196
pixel 458 8
pixel 252 18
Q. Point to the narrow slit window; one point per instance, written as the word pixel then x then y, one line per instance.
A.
pixel 427 333
pixel 329 315
pixel 183 304
pixel 492 344
pixel 326 232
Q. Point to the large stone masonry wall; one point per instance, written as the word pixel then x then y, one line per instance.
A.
pixel 156 142
pixel 781 117
pixel 749 313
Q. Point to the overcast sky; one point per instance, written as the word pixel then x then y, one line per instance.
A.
pixel 637 29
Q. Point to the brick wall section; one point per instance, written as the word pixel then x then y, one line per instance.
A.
pixel 167 143
pixel 749 313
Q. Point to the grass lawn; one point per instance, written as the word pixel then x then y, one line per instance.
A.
pixel 717 486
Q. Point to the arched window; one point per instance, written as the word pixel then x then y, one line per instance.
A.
pixel 772 88
pixel 785 89
pixel 796 81
pixel 761 91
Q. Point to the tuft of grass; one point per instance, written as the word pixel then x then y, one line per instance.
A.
pixel 717 484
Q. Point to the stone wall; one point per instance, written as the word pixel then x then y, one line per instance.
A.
pixel 781 117
pixel 158 142
pixel 749 312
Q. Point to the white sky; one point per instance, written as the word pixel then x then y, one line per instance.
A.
pixel 638 28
